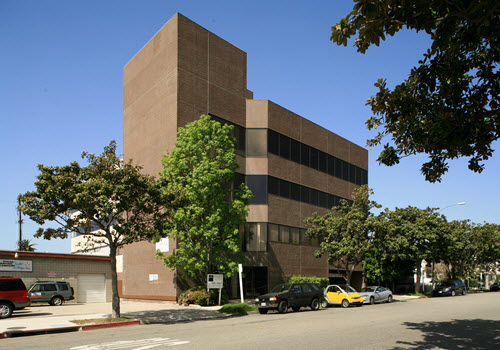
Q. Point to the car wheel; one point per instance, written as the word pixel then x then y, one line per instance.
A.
pixel 372 300
pixel 282 307
pixel 345 303
pixel 262 311
pixel 5 309
pixel 324 304
pixel 452 293
pixel 315 305
pixel 389 299
pixel 56 301
pixel 296 308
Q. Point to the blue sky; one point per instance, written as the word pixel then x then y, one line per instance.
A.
pixel 61 89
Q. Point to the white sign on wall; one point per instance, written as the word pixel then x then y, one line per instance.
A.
pixel 16 265
pixel 163 245
pixel 153 277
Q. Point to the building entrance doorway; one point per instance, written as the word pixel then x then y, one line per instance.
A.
pixel 254 280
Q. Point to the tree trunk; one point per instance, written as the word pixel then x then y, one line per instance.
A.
pixel 115 301
pixel 418 267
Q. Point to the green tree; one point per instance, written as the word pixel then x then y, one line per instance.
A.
pixel 378 266
pixel 201 168
pixel 109 201
pixel 344 231
pixel 469 246
pixel 410 234
pixel 449 105
pixel 25 245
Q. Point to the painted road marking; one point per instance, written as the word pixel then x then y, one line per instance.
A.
pixel 143 344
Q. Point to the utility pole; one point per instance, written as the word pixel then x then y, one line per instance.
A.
pixel 20 224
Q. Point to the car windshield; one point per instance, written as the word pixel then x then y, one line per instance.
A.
pixel 281 288
pixel 445 284
pixel 368 289
pixel 347 288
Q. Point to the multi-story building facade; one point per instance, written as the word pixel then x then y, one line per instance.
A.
pixel 293 166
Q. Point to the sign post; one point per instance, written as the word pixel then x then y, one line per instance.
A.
pixel 215 281
pixel 240 270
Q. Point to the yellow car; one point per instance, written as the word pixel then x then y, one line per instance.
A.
pixel 341 294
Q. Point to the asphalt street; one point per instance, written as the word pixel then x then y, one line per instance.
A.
pixel 469 322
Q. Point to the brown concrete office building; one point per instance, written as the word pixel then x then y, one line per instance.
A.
pixel 293 166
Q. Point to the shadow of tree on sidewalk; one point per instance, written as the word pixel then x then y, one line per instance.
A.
pixel 455 334
pixel 175 316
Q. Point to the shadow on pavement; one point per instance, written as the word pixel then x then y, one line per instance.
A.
pixel 455 334
pixel 175 316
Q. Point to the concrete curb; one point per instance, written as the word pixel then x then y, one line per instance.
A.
pixel 88 327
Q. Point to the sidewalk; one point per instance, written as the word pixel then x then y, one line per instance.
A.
pixel 43 318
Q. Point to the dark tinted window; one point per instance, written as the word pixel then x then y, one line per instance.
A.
pixel 352 173
pixel 338 168
pixel 322 161
pixel 364 177
pixel 295 191
pixel 323 199
pixel 331 165
pixel 48 287
pixel 63 286
pixel 314 158
pixel 306 288
pixel 295 151
pixel 11 284
pixel 315 287
pixel 284 146
pixel 358 176
pixel 274 185
pixel 284 188
pixel 305 155
pixel 345 170
pixel 258 185
pixel 314 197
pixel 273 142
pixel 305 194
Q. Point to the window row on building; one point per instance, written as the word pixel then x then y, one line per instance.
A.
pixel 298 152
pixel 260 142
pixel 258 234
pixel 262 185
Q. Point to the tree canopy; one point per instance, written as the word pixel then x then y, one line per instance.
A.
pixel 344 231
pixel 201 169
pixel 448 107
pixel 410 234
pixel 108 201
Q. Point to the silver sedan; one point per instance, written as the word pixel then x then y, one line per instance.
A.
pixel 376 294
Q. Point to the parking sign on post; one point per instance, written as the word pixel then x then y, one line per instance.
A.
pixel 215 281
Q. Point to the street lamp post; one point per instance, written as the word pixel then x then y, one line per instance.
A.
pixel 433 260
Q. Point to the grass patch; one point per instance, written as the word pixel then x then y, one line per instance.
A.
pixel 425 295
pixel 240 309
pixel 102 320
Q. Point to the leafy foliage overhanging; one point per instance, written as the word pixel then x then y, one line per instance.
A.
pixel 448 107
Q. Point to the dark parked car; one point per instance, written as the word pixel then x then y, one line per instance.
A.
pixel 495 287
pixel 53 292
pixel 449 287
pixel 13 296
pixel 290 295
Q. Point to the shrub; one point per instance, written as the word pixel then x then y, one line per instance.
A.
pixel 240 309
pixel 321 282
pixel 196 295
pixel 214 297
